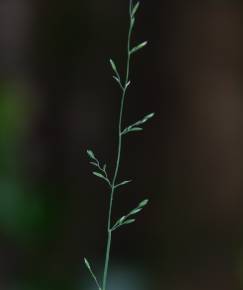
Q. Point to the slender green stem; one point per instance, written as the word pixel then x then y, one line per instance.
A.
pixel 113 187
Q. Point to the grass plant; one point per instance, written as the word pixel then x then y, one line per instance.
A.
pixel 101 170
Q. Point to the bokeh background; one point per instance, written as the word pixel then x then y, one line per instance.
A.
pixel 57 99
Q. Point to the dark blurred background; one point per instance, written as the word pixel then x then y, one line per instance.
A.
pixel 57 99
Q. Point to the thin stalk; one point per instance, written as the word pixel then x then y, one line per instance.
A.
pixel 113 186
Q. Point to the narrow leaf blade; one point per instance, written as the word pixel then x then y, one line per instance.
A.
pixel 143 203
pixel 149 116
pixel 123 183
pixel 99 175
pixel 135 211
pixel 135 129
pixel 87 263
pixel 138 47
pixel 116 79
pixel 135 9
pixel 128 84
pixel 113 66
pixel 92 273
pixel 91 154
pixel 144 120
pixel 119 222
pixel 130 221
pixel 122 219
